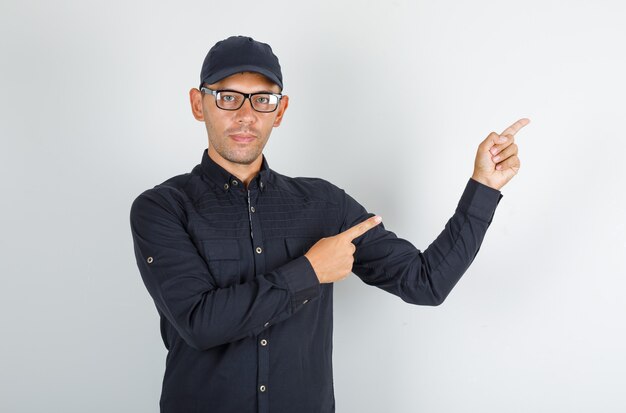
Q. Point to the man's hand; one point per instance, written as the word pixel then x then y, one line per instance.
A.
pixel 496 160
pixel 332 257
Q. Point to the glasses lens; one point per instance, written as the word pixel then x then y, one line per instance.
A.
pixel 229 100
pixel 264 102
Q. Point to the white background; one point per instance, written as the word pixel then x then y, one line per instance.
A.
pixel 389 100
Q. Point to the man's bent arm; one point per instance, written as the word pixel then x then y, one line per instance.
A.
pixel 182 288
pixel 426 278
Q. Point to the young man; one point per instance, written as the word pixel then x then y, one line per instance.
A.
pixel 241 260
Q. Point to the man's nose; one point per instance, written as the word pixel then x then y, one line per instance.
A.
pixel 246 114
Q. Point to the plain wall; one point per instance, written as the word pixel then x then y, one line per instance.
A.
pixel 94 109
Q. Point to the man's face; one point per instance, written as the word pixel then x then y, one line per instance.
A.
pixel 238 136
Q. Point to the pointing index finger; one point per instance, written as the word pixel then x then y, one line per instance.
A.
pixel 362 227
pixel 514 128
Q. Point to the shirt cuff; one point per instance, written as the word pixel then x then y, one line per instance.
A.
pixel 479 200
pixel 301 280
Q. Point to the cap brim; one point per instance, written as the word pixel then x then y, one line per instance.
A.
pixel 224 73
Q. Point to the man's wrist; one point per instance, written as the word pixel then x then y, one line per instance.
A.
pixel 485 182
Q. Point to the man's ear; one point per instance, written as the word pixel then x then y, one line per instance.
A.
pixel 195 98
pixel 284 102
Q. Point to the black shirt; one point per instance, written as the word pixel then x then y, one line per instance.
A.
pixel 247 325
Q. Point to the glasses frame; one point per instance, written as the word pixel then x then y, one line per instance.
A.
pixel 248 96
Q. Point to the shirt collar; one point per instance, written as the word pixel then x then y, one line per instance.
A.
pixel 227 181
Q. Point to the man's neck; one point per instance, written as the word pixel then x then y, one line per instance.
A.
pixel 244 172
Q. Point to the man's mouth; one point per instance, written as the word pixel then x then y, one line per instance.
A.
pixel 242 137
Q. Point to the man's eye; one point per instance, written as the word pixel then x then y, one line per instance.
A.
pixel 228 98
pixel 263 99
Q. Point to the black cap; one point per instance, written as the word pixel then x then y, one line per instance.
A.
pixel 240 54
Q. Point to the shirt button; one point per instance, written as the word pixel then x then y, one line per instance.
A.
pixel 261 184
pixel 264 342
pixel 305 301
pixel 225 186
pixel 259 250
pixel 262 388
pixel 150 259
pixel 235 183
pixel 252 209
pixel 266 324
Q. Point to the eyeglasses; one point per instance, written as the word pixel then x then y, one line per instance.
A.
pixel 232 100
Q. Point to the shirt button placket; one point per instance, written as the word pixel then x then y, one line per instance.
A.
pixel 263 374
pixel 263 347
pixel 263 378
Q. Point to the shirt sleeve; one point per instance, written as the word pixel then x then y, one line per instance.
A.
pixel 179 281
pixel 426 278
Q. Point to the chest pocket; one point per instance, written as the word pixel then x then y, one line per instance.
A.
pixel 223 259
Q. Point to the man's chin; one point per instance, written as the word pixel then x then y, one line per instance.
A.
pixel 238 155
pixel 241 159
